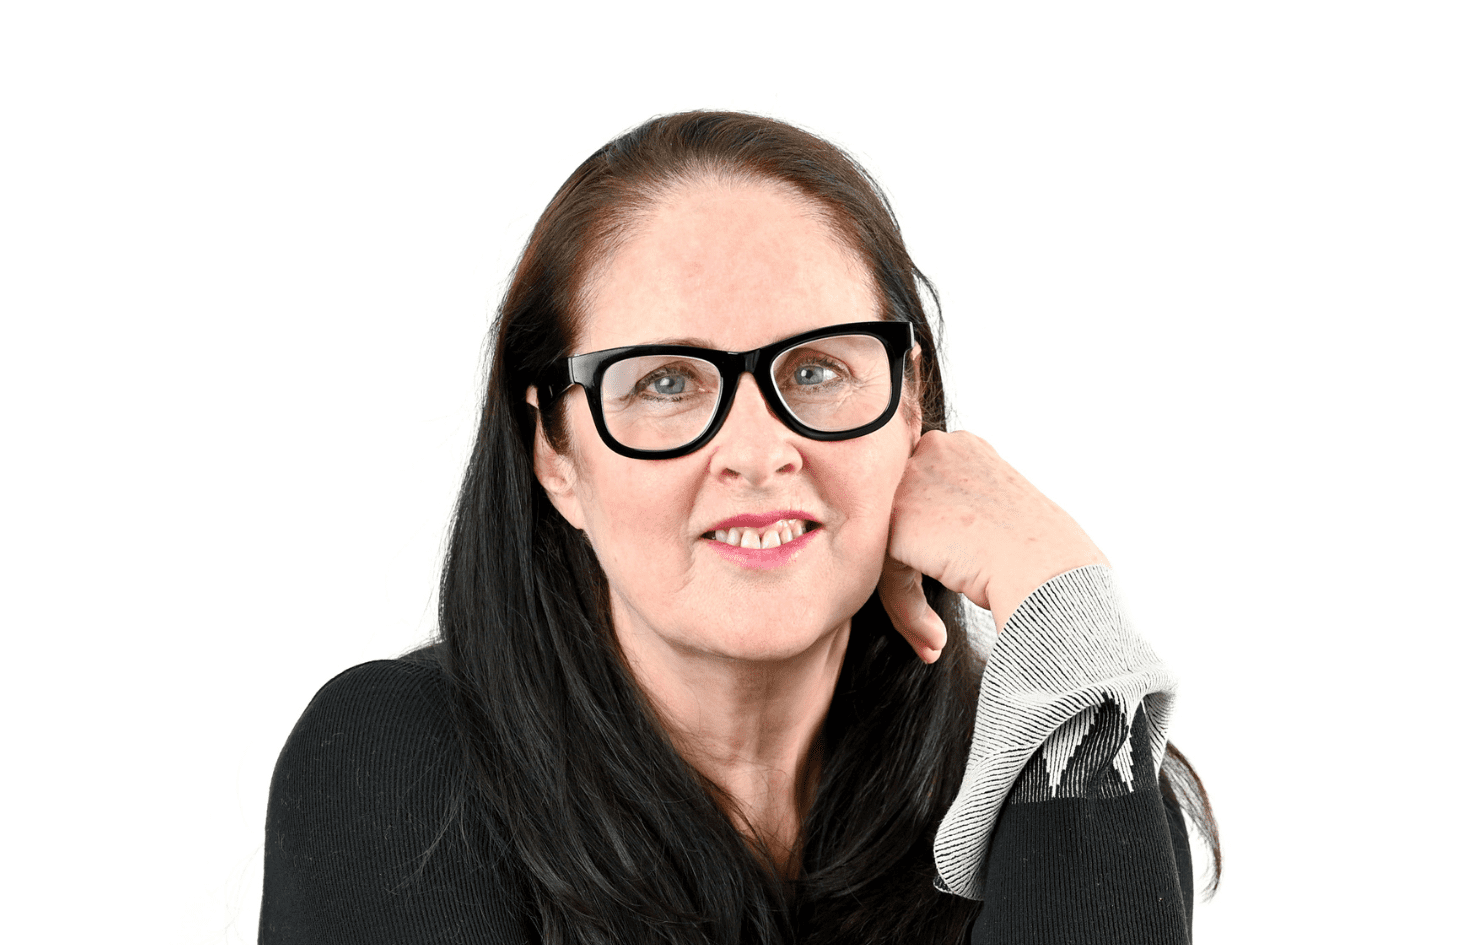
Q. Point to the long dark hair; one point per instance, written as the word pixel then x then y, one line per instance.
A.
pixel 616 837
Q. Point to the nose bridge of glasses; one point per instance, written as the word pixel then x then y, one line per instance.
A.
pixel 751 361
pixel 756 395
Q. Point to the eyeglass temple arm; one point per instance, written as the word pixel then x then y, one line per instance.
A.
pixel 556 381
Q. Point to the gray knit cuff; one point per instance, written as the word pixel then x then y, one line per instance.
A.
pixel 1067 648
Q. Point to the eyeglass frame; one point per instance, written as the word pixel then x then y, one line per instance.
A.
pixel 587 371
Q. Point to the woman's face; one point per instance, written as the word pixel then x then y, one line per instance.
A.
pixel 733 267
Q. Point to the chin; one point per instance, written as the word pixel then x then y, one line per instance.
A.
pixel 763 644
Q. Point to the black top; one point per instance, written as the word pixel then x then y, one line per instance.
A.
pixel 363 844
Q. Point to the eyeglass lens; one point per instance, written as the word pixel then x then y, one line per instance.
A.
pixel 660 402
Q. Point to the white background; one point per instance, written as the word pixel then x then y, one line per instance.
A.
pixel 1209 275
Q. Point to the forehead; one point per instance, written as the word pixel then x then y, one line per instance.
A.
pixel 725 265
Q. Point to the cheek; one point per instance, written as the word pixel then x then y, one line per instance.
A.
pixel 887 457
pixel 637 512
pixel 861 483
pixel 613 490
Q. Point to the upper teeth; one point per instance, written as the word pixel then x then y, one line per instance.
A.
pixel 772 536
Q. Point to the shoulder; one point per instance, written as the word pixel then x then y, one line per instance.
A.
pixel 386 701
pixel 369 736
pixel 387 687
pixel 367 838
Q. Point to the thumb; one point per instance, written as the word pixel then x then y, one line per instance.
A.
pixel 903 596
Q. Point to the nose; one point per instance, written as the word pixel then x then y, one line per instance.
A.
pixel 753 445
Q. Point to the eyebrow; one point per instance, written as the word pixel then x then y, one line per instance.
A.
pixel 705 343
pixel 691 342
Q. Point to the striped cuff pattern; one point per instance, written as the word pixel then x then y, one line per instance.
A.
pixel 1068 650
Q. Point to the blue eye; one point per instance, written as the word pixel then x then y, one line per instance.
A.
pixel 812 374
pixel 670 384
pixel 664 385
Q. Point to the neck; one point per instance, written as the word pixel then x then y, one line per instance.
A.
pixel 750 727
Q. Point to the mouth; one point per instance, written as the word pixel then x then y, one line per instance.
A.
pixel 774 535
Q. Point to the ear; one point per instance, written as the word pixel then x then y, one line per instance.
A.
pixel 555 472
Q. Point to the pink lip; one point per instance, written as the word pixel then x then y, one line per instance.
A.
pixel 762 559
pixel 760 520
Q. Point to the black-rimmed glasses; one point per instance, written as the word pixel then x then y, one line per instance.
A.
pixel 663 401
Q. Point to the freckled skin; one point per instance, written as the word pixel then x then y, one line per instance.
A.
pixel 733 268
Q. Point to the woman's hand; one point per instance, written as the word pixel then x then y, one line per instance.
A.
pixel 969 520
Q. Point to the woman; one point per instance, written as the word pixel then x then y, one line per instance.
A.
pixel 703 673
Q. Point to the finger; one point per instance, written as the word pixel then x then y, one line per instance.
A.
pixel 903 597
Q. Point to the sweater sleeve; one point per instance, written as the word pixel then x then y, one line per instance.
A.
pixel 1060 827
pixel 363 841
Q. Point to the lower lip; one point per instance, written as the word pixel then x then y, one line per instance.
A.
pixel 763 559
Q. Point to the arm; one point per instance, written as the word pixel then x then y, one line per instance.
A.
pixel 1109 865
pixel 363 840
pixel 1073 710
pixel 1059 827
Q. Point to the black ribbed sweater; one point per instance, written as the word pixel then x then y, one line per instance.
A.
pixel 1079 847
